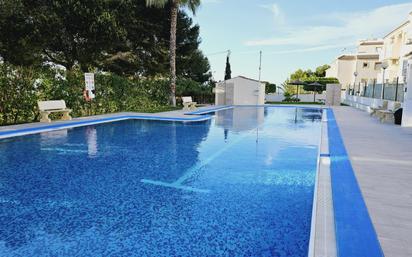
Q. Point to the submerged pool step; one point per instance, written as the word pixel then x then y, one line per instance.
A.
pixel 192 171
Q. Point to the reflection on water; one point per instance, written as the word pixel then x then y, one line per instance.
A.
pixel 240 119
pixel 91 138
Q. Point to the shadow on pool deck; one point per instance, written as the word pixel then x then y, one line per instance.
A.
pixel 381 155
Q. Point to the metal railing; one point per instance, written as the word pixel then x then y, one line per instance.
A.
pixel 389 91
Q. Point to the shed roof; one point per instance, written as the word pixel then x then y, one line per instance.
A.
pixel 241 77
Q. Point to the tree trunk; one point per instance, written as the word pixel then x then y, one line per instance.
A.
pixel 172 51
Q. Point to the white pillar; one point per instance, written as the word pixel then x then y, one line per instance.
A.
pixel 333 94
pixel 407 102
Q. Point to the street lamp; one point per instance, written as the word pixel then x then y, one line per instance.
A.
pixel 354 82
pixel 385 65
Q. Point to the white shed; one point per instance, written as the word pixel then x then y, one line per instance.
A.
pixel 240 91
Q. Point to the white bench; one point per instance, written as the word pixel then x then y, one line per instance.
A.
pixel 188 103
pixel 388 115
pixel 47 107
pixel 373 111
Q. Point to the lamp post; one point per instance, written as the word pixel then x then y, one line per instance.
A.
pixel 354 82
pixel 385 65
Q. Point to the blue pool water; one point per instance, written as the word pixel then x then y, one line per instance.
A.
pixel 240 184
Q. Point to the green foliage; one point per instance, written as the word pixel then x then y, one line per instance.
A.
pixel 320 80
pixel 201 93
pixel 123 37
pixel 228 71
pixel 18 94
pixel 290 98
pixel 270 88
pixel 191 4
pixel 308 77
pixel 321 70
pixel 22 87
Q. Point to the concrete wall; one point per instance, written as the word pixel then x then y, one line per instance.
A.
pixel 333 94
pixel 303 98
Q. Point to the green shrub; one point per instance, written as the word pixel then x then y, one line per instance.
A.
pixel 21 88
pixel 201 93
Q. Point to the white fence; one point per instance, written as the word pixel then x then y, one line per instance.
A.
pixel 364 103
pixel 303 97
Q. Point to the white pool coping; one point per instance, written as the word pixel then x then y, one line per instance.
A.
pixel 322 241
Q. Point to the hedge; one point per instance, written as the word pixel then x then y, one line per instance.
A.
pixel 22 87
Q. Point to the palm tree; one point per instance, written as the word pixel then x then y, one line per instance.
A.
pixel 175 4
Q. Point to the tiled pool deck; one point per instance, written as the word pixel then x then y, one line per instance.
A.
pixel 381 156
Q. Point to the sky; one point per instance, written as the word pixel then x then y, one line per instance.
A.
pixel 291 34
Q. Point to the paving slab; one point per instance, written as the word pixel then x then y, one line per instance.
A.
pixel 381 155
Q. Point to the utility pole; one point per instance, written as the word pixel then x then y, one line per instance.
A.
pixel 260 65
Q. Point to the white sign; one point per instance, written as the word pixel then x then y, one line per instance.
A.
pixel 89 81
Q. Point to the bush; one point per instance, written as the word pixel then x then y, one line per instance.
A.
pixel 201 93
pixel 22 87
pixel 290 98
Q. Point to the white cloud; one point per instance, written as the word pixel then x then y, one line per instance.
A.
pixel 349 27
pixel 310 49
pixel 278 17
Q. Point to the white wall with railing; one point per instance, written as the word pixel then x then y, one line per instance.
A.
pixel 366 103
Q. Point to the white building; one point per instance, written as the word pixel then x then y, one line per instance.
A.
pixel 240 91
pixel 361 67
pixel 396 52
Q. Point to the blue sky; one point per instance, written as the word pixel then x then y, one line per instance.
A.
pixel 292 34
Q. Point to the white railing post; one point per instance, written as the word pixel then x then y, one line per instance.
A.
pixel 407 103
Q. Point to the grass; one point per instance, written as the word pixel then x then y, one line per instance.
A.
pixel 316 103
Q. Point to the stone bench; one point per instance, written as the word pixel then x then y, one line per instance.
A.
pixel 48 107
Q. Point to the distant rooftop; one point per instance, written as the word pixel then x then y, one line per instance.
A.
pixel 367 42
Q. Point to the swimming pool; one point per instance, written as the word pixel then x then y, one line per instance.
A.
pixel 240 184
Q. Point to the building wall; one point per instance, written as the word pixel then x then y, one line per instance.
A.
pixel 247 92
pixel 395 52
pixel 365 47
pixel 367 69
pixel 346 68
pixel 220 94
pixel 365 62
pixel 240 91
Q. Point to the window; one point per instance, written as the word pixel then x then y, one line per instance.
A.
pixel 365 65
pixel 378 66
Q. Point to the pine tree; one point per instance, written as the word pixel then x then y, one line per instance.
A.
pixel 228 71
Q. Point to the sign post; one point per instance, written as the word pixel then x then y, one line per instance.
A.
pixel 89 81
pixel 89 90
